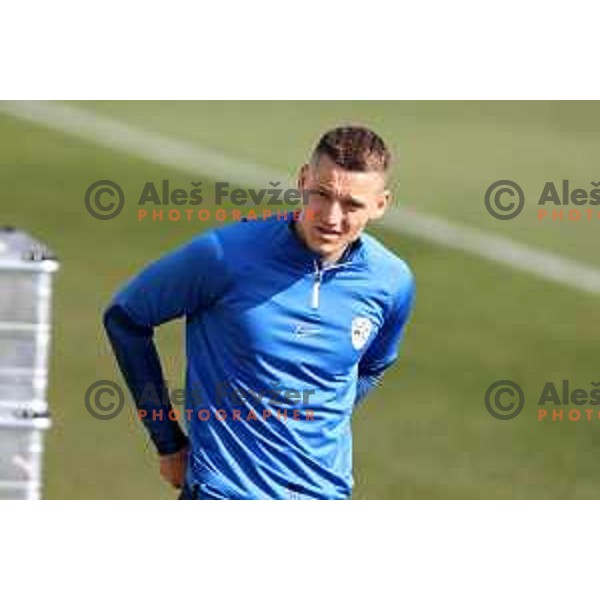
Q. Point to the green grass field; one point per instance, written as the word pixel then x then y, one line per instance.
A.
pixel 425 433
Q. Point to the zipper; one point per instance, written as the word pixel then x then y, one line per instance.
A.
pixel 316 285
pixel 318 279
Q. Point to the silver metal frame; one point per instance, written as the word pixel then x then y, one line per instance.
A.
pixel 29 417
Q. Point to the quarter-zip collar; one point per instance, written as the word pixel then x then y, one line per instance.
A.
pixel 297 252
pixel 318 279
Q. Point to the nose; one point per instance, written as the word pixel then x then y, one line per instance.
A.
pixel 332 214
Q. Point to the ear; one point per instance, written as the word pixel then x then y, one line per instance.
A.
pixel 302 175
pixel 381 205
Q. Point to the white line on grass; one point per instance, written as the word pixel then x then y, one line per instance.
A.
pixel 196 160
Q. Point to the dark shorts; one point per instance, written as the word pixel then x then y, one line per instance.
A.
pixel 189 492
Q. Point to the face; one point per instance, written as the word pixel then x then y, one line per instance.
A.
pixel 340 204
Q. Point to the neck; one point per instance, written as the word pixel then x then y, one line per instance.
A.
pixel 331 259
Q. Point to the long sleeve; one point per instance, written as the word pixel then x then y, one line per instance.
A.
pixel 383 351
pixel 138 360
pixel 179 284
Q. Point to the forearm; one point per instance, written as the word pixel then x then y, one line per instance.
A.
pixel 365 384
pixel 139 363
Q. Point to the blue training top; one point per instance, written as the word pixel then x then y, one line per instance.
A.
pixel 279 351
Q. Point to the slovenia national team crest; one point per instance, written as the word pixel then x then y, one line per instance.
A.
pixel 361 329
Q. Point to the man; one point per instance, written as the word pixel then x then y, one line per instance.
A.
pixel 312 306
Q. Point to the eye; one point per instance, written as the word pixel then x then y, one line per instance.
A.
pixel 353 206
